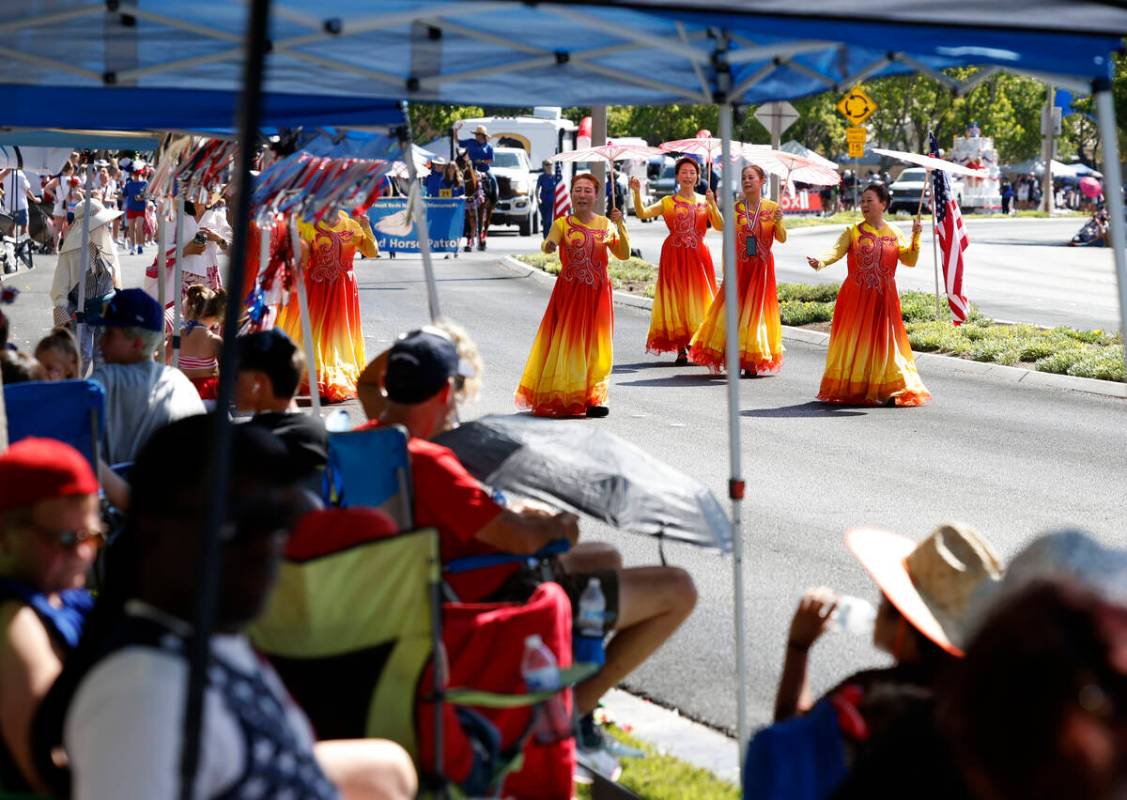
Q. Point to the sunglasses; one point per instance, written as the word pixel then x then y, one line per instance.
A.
pixel 69 538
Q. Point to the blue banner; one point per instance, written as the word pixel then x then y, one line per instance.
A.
pixel 445 218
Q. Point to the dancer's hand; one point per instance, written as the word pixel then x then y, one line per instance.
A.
pixel 778 215
pixel 709 196
pixel 549 246
pixel 635 185
pixel 814 263
pixel 917 226
pixel 616 216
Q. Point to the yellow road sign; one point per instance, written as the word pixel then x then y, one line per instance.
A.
pixel 856 106
pixel 856 149
pixel 856 135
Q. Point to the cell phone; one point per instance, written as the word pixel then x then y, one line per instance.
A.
pixel 200 238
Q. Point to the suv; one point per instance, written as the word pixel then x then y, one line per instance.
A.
pixel 907 188
pixel 516 203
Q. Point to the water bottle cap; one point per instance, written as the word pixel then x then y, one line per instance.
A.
pixel 595 583
pixel 533 641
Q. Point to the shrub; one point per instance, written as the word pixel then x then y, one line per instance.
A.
pixel 997 351
pixel 1106 364
pixel 808 293
pixel 1060 362
pixel 936 337
pixel 798 313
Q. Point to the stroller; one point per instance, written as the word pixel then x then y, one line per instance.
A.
pixel 41 235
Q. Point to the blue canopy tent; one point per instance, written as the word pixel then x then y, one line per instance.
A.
pixel 332 57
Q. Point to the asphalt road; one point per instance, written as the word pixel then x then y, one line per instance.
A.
pixel 1018 269
pixel 1009 459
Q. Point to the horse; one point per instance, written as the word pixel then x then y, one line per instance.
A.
pixel 479 204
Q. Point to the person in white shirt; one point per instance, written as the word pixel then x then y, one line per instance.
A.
pixel 17 191
pixel 122 729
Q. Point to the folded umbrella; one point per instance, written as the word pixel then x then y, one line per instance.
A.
pixel 932 163
pixel 584 468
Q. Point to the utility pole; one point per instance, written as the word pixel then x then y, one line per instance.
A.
pixel 1049 122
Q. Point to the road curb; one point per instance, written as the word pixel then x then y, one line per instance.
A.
pixel 1017 375
pixel 672 734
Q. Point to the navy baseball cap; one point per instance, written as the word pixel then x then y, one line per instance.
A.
pixel 131 308
pixel 420 363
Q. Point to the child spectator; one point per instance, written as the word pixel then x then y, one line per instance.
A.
pixel 270 369
pixel 134 194
pixel 200 346
pixel 49 526
pixel 142 395
pixel 58 353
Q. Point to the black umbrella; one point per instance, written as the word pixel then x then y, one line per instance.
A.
pixel 581 466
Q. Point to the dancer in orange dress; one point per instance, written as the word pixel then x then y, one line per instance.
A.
pixel 870 361
pixel 686 280
pixel 334 302
pixel 759 224
pixel 566 373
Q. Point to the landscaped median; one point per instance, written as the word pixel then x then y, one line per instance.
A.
pixel 1064 351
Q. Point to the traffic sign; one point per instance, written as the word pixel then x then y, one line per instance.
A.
pixel 856 106
pixel 783 112
pixel 855 137
pixel 856 149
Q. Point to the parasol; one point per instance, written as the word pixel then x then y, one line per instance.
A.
pixel 1090 187
pixel 788 166
pixel 590 471
pixel 706 146
pixel 609 152
pixel 932 163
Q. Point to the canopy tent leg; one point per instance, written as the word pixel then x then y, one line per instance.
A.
pixel 162 268
pixel 178 277
pixel 306 323
pixel 80 316
pixel 218 477
pixel 735 486
pixel 1113 194
pixel 418 213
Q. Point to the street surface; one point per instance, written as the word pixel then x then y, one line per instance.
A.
pixel 1011 460
pixel 1018 269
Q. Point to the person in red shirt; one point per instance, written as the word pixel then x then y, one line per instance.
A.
pixel 644 605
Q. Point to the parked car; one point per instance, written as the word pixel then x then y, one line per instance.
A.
pixel 907 188
pixel 516 186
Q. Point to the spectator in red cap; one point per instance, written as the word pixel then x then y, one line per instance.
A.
pixel 49 530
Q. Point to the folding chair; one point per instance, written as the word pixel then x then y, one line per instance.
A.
pixel 70 411
pixel 371 468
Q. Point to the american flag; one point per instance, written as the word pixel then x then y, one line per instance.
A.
pixel 952 238
pixel 562 205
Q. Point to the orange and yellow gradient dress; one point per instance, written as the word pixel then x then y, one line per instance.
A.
pixel 571 357
pixel 870 361
pixel 686 279
pixel 761 334
pixel 334 303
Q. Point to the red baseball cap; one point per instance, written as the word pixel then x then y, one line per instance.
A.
pixel 34 469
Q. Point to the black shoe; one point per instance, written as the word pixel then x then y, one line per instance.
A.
pixel 890 402
pixel 597 412
pixel 748 373
pixel 481 245
pixel 682 360
pixel 469 248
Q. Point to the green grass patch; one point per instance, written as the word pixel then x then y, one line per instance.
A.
pixel 663 777
pixel 1065 351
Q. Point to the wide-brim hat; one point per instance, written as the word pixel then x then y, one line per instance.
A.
pixel 934 584
pixel 99 216
pixel 481 129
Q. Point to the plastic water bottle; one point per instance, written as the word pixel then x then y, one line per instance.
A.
pixel 592 610
pixel 338 421
pixel 541 673
pixel 853 615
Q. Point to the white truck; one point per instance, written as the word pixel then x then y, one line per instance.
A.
pixel 540 136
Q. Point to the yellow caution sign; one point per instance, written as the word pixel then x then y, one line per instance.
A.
pixel 855 137
pixel 856 106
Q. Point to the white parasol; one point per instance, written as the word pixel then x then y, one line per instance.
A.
pixel 701 145
pixel 788 166
pixel 609 152
pixel 932 163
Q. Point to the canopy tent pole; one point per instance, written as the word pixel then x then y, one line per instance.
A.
pixel 735 484
pixel 306 322
pixel 418 213
pixel 177 277
pixel 929 188
pixel 84 260
pixel 162 267
pixel 218 477
pixel 1113 193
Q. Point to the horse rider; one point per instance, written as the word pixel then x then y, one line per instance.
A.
pixel 481 155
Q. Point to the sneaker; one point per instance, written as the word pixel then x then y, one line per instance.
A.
pixel 748 373
pixel 140 250
pixel 682 359
pixel 597 412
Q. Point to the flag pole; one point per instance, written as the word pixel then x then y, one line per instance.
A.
pixel 934 243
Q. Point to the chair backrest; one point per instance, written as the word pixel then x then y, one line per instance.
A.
pixel 350 625
pixel 70 411
pixel 371 468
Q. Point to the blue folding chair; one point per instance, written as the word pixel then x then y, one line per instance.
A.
pixel 70 411
pixel 371 468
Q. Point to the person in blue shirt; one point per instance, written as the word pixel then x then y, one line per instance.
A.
pixel 481 155
pixel 546 196
pixel 433 182
pixel 134 194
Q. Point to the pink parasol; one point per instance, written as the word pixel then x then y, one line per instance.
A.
pixel 788 166
pixel 609 152
pixel 1090 187
pixel 702 145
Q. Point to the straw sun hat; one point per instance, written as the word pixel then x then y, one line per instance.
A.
pixel 934 584
pixel 481 129
pixel 99 215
